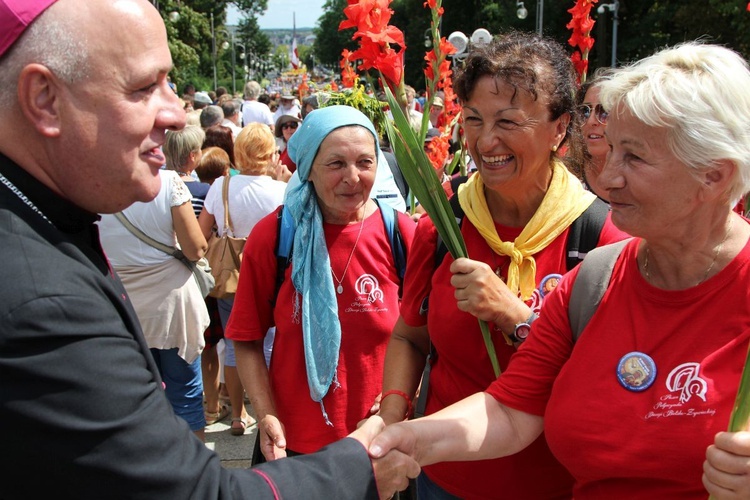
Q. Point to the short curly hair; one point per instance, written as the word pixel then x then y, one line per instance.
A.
pixel 526 61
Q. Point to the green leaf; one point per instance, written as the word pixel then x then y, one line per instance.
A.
pixel 741 411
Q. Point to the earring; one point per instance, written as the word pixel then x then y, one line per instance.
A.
pixel 554 148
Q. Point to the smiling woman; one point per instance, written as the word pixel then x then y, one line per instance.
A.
pixel 517 96
pixel 336 303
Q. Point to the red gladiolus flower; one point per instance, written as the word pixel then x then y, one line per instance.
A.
pixel 381 46
pixel 348 75
pixel 367 15
pixel 581 24
pixel 437 151
pixel 581 65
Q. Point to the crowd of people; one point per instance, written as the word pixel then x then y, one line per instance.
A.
pixel 607 258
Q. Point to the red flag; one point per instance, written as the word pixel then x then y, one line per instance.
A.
pixel 294 56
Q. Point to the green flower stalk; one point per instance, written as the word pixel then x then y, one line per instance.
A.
pixel 738 421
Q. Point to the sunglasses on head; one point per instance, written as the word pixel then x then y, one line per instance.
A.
pixel 599 113
pixel 292 125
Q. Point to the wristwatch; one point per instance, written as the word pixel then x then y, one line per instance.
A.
pixel 521 330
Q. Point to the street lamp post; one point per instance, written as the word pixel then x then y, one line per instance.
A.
pixel 539 15
pixel 213 49
pixel 243 56
pixel 614 8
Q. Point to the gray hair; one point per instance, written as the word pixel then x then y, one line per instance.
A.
pixel 252 90
pixel 51 42
pixel 180 143
pixel 230 107
pixel 699 93
pixel 211 115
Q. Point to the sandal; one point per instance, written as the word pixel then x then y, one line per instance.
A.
pixel 212 418
pixel 239 431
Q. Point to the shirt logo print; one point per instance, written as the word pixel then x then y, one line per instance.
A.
pixel 685 379
pixel 368 285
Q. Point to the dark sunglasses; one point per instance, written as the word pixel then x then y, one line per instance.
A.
pixel 292 125
pixel 599 113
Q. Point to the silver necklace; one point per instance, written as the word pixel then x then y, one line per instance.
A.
pixel 711 266
pixel 340 287
pixel 4 180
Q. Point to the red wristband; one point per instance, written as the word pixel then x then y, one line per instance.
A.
pixel 398 393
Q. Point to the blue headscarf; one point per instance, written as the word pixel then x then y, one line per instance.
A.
pixel 311 266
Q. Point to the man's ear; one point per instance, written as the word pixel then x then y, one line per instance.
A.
pixel 717 179
pixel 38 98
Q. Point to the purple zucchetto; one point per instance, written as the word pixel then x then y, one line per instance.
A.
pixel 15 17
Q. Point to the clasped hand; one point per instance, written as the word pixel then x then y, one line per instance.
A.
pixel 392 468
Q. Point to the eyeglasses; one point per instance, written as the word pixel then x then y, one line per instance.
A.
pixel 599 113
pixel 292 125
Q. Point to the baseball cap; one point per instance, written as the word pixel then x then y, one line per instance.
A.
pixel 15 17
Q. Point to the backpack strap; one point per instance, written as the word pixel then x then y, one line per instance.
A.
pixel 584 232
pixel 284 243
pixel 590 284
pixel 396 239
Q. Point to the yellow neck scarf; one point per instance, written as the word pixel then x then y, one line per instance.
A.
pixel 564 201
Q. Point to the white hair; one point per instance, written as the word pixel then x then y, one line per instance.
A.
pixel 51 42
pixel 252 90
pixel 700 93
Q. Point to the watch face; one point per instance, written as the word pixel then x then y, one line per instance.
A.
pixel 522 331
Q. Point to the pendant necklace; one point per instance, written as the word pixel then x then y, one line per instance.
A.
pixel 340 287
pixel 636 371
pixel 711 266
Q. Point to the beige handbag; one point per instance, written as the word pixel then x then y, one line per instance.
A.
pixel 224 254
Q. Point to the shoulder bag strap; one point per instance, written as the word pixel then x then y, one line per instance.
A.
pixel 225 196
pixel 591 283
pixel 174 252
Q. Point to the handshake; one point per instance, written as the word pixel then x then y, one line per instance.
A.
pixel 391 454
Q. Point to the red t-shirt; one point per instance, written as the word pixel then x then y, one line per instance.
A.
pixel 621 444
pixel 368 309
pixel 463 366
pixel 287 160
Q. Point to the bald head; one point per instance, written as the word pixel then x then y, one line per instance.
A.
pixel 85 102
pixel 62 36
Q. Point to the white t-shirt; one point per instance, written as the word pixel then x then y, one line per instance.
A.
pixel 293 110
pixel 153 218
pixel 251 197
pixel 256 112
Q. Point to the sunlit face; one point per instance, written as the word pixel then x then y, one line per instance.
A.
pixel 593 131
pixel 648 187
pixel 343 173
pixel 435 114
pixel 288 129
pixel 114 122
pixel 510 137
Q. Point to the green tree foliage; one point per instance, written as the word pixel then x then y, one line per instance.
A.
pixel 329 41
pixel 644 26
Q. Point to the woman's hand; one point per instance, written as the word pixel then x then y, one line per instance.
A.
pixel 726 471
pixel 272 438
pixel 481 293
pixel 280 171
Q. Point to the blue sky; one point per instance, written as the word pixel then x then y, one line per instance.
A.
pixel 279 14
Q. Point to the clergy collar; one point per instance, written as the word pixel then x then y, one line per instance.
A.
pixel 63 214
